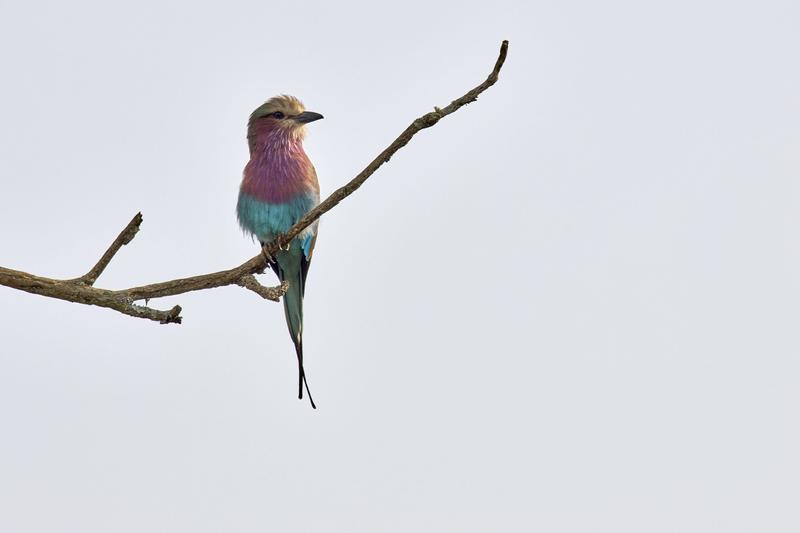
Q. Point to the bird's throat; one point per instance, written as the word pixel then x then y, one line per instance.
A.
pixel 279 169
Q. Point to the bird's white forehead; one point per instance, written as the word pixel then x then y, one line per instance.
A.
pixel 288 105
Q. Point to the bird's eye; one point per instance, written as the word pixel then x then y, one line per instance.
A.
pixel 278 115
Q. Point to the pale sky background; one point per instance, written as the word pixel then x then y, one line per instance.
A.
pixel 570 307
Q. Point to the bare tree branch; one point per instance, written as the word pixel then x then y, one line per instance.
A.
pixel 82 290
pixel 78 292
pixel 425 121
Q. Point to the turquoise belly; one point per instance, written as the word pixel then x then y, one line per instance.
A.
pixel 266 221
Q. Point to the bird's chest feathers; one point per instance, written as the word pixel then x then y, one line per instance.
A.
pixel 278 171
pixel 279 186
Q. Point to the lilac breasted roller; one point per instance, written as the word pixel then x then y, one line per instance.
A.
pixel 279 186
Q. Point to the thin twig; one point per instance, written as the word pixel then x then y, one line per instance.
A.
pixel 125 236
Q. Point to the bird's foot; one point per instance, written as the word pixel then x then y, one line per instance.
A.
pixel 288 244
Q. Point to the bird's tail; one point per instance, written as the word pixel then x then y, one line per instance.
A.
pixel 289 268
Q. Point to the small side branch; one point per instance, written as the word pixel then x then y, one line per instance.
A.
pixel 268 293
pixel 125 236
pixel 82 290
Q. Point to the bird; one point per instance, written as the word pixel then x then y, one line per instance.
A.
pixel 279 186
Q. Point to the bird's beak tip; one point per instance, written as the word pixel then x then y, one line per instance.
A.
pixel 307 116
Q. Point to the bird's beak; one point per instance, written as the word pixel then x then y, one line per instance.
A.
pixel 307 116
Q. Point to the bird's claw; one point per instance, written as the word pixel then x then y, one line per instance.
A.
pixel 270 259
pixel 267 256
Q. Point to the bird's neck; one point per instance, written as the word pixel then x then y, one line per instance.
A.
pixel 264 134
pixel 279 168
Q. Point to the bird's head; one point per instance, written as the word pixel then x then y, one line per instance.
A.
pixel 282 113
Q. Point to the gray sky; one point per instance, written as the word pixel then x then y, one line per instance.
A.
pixel 569 307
